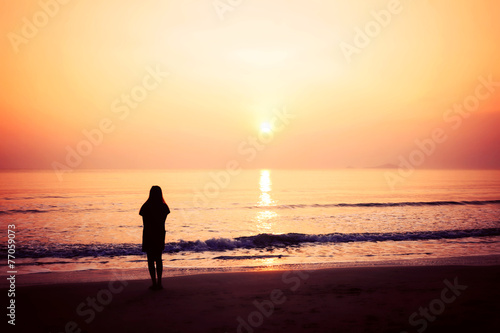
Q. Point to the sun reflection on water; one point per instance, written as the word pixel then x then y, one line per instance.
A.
pixel 264 219
pixel 265 187
pixel 267 264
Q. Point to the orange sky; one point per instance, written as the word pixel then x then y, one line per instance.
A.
pixel 347 99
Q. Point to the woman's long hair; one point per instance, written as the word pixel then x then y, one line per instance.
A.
pixel 156 196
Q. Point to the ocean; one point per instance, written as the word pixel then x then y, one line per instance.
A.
pixel 253 218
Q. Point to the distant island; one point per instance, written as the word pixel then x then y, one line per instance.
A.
pixel 382 166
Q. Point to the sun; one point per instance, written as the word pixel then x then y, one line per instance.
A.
pixel 266 127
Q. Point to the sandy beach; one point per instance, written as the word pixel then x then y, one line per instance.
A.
pixel 358 299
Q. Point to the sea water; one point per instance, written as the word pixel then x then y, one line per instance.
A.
pixel 255 218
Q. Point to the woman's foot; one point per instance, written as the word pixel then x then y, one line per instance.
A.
pixel 153 287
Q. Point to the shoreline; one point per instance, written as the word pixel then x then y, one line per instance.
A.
pixel 454 298
pixel 100 275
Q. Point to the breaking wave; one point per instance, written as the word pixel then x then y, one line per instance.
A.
pixel 259 241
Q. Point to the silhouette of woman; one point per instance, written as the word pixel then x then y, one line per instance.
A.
pixel 154 213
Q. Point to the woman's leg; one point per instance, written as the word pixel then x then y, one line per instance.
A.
pixel 151 267
pixel 159 268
